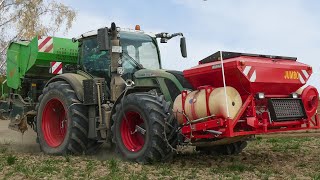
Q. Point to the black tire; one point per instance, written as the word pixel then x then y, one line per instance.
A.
pixel 75 140
pixel 93 147
pixel 233 148
pixel 160 136
pixel 226 149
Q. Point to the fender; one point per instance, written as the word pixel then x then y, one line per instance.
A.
pixel 129 91
pixel 75 80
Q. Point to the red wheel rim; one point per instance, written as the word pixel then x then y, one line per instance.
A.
pixel 132 139
pixel 54 122
pixel 310 98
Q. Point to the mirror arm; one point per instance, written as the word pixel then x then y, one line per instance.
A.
pixel 176 34
pixel 167 35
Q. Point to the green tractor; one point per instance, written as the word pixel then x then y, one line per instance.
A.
pixel 115 92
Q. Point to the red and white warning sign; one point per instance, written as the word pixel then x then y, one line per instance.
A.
pixel 251 73
pixel 45 44
pixel 56 67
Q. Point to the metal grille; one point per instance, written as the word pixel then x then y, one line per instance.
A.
pixel 286 109
pixel 91 91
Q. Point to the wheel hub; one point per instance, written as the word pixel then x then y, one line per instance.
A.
pixel 132 131
pixel 139 129
pixel 54 122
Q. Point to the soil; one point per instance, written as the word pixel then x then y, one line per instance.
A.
pixel 293 155
pixel 18 142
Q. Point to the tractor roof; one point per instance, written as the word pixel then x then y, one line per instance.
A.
pixel 95 32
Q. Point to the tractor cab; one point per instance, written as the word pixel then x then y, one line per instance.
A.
pixel 138 58
pixel 139 51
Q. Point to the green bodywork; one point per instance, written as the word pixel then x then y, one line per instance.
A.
pixel 24 59
pixel 146 77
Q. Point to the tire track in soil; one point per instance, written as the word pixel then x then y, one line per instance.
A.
pixel 27 142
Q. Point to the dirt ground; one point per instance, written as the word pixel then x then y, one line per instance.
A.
pixel 18 142
pixel 276 156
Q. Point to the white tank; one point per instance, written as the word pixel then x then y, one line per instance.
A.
pixel 195 104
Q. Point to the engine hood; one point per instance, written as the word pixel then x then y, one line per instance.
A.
pixel 169 74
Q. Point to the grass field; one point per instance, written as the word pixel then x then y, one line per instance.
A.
pixel 264 158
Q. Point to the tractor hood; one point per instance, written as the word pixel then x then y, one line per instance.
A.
pixel 147 73
pixel 175 76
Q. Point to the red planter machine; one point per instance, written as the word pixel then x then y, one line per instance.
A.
pixel 267 85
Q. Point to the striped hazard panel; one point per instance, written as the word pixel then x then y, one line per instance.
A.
pixel 301 75
pixel 303 78
pixel 250 72
pixel 45 44
pixel 56 67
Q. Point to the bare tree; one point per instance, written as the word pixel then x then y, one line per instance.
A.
pixel 24 19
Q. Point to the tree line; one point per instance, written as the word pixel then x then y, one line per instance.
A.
pixel 24 19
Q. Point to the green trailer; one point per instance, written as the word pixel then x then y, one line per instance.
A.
pixel 30 64
pixel 27 59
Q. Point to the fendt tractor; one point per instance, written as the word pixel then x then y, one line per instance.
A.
pixel 108 86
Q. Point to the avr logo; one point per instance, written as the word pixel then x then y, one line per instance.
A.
pixel 291 75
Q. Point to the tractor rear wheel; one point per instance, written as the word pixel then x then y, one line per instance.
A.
pixel 62 121
pixel 144 129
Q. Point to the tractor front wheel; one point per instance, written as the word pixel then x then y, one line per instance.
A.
pixel 143 128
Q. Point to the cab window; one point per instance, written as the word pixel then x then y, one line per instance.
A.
pixel 94 61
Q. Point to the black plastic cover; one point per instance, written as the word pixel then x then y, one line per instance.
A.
pixel 228 55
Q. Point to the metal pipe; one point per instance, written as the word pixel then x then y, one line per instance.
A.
pixel 198 120
pixel 214 132
pixel 99 105
pixel 224 83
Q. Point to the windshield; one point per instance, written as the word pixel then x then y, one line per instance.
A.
pixel 141 48
pixel 137 49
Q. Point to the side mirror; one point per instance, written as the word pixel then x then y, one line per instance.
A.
pixel 103 39
pixel 183 47
pixel 74 40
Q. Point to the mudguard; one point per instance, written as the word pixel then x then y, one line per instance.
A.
pixel 132 90
pixel 75 80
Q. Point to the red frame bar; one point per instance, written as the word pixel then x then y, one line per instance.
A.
pixel 228 126
pixel 203 126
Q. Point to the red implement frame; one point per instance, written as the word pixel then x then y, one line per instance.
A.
pixel 245 123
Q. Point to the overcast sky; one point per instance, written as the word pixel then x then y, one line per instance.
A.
pixel 286 27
